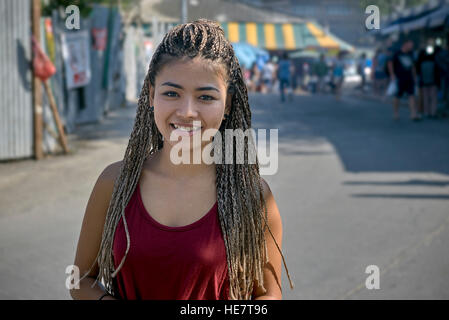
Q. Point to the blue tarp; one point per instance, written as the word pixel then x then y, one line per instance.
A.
pixel 248 54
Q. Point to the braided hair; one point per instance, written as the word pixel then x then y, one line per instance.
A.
pixel 241 205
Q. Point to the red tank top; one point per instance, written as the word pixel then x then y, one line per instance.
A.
pixel 170 263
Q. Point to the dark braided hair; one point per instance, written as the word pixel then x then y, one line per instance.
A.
pixel 241 205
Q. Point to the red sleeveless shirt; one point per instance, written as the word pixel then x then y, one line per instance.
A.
pixel 170 263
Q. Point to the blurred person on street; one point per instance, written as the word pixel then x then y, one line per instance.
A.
pixel 442 61
pixel 294 76
pixel 268 74
pixel 284 76
pixel 255 77
pixel 305 75
pixel 379 73
pixel 338 69
pixel 361 64
pixel 246 76
pixel 402 71
pixel 320 70
pixel 428 80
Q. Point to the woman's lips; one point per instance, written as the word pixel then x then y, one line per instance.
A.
pixel 184 133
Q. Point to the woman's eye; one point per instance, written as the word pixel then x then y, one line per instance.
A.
pixel 207 98
pixel 170 94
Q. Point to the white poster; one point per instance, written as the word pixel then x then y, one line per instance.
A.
pixel 75 51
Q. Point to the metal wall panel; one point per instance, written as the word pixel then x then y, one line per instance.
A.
pixel 16 112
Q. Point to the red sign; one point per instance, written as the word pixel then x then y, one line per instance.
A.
pixel 100 36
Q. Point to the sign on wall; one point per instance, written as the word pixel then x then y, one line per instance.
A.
pixel 100 38
pixel 75 52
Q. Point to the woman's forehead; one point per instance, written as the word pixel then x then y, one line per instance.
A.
pixel 194 70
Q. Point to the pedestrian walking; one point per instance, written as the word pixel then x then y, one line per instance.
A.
pixel 255 78
pixel 284 76
pixel 338 75
pixel 428 76
pixel 320 70
pixel 246 76
pixel 268 73
pixel 305 75
pixel 361 64
pixel 403 73
pixel 144 233
pixel 379 73
pixel 442 60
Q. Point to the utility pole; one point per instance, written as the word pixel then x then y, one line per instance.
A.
pixel 184 13
pixel 37 87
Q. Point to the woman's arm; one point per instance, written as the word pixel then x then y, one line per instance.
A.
pixel 272 269
pixel 91 234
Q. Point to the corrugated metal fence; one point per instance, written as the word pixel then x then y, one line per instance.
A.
pixel 106 89
pixel 16 112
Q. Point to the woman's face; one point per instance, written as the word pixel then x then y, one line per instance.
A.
pixel 186 91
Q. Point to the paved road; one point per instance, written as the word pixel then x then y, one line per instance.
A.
pixel 353 187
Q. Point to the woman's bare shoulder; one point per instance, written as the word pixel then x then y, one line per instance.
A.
pixel 105 183
pixel 111 172
pixel 94 218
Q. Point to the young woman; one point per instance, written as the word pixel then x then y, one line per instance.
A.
pixel 158 230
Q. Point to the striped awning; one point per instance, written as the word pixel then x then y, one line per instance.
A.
pixel 283 36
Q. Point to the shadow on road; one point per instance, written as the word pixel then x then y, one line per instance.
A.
pixel 362 133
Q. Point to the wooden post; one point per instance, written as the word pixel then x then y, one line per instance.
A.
pixel 54 109
pixel 37 88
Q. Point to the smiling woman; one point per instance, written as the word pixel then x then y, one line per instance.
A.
pixel 186 91
pixel 158 230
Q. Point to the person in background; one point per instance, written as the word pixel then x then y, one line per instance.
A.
pixel 294 77
pixel 246 76
pixel 442 61
pixel 379 74
pixel 305 75
pixel 320 70
pixel 284 76
pixel 275 82
pixel 361 64
pixel 255 77
pixel 402 70
pixel 267 77
pixel 419 104
pixel 338 75
pixel 427 72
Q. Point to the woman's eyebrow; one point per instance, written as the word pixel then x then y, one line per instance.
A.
pixel 207 88
pixel 171 84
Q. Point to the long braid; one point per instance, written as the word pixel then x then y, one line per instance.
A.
pixel 242 211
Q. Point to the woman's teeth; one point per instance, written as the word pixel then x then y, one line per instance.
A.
pixel 188 129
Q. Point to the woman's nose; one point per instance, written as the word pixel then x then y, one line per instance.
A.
pixel 187 109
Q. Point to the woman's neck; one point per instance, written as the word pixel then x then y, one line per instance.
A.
pixel 161 162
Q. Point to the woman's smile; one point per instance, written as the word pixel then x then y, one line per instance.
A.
pixel 185 129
